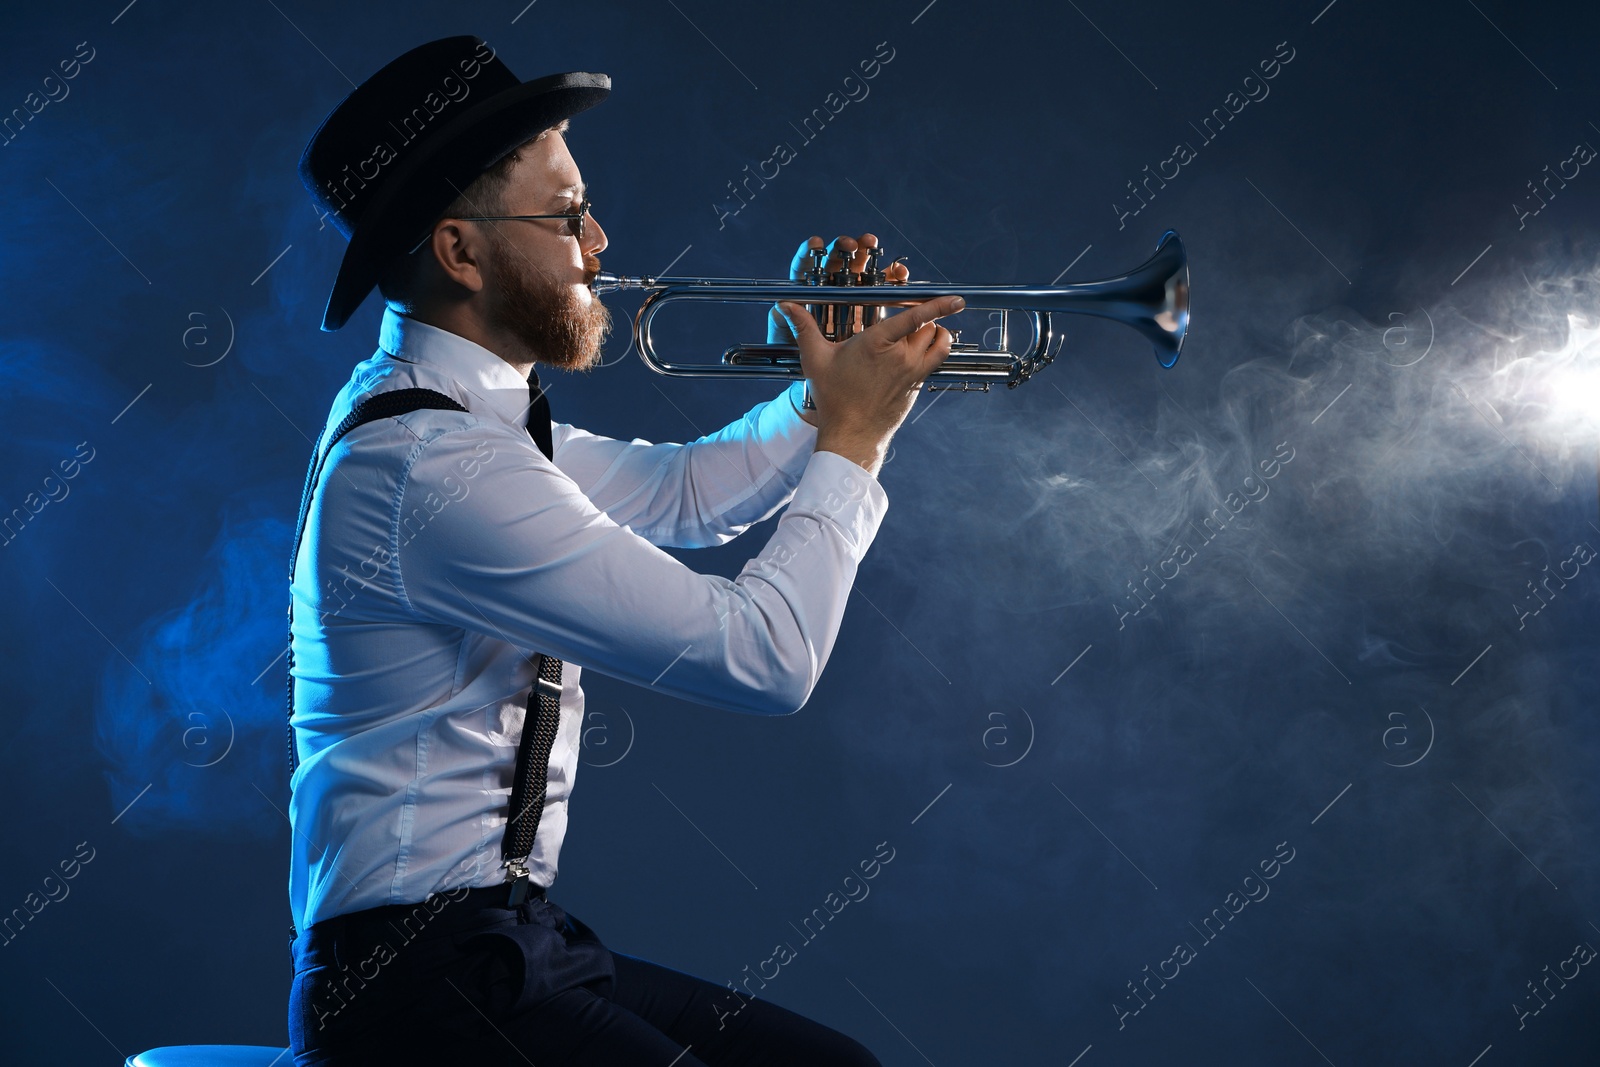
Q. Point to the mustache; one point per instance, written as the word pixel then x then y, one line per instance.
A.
pixel 591 268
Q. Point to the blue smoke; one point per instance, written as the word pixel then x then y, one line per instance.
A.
pixel 198 715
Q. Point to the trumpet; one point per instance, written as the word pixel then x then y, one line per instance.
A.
pixel 1153 299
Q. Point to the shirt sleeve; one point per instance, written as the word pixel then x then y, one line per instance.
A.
pixel 698 494
pixel 496 539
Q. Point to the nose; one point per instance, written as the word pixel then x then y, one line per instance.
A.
pixel 594 237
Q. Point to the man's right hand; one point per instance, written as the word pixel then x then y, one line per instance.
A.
pixel 865 386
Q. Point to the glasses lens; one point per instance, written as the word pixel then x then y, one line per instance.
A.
pixel 577 223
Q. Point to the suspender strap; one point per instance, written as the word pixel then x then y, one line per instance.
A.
pixel 378 406
pixel 543 718
pixel 539 728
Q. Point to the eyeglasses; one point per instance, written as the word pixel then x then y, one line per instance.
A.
pixel 574 217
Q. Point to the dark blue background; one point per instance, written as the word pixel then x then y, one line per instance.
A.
pixel 1326 637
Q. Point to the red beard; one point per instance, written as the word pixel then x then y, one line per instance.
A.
pixel 556 326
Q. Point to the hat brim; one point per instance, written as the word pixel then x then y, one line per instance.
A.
pixel 431 178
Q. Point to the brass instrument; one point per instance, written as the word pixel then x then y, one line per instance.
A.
pixel 1153 298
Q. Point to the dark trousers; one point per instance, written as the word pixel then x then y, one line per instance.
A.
pixel 462 978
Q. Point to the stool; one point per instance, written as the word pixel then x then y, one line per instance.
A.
pixel 211 1056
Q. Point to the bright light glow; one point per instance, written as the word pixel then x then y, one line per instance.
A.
pixel 1575 377
pixel 1577 391
pixel 1561 386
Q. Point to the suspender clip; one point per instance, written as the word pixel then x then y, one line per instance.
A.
pixel 520 882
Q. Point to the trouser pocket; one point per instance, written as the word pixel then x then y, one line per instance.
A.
pixel 530 962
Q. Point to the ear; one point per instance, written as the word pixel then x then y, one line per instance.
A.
pixel 460 251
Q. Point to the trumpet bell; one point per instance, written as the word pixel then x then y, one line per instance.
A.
pixel 1153 298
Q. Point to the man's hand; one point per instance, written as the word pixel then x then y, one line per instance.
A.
pixel 841 251
pixel 864 387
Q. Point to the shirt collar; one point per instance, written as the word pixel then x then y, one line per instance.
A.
pixel 474 367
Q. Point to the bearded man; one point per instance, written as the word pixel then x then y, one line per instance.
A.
pixel 460 558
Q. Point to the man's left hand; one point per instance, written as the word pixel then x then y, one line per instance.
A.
pixel 843 250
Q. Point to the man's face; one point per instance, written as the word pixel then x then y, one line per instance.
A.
pixel 537 282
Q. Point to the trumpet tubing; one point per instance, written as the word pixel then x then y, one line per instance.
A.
pixel 1153 299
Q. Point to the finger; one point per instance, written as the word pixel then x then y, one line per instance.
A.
pixel 778 332
pixel 815 349
pixel 930 347
pixel 858 262
pixel 938 351
pixel 924 340
pixel 840 250
pixel 802 258
pixel 897 273
pixel 914 318
pixel 800 323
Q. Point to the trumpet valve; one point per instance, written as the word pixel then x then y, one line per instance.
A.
pixel 817 272
pixel 841 317
pixel 871 314
pixel 873 274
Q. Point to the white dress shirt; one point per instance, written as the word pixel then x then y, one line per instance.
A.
pixel 442 549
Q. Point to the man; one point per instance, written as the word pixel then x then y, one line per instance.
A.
pixel 461 562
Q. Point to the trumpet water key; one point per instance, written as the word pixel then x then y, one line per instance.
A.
pixel 1153 299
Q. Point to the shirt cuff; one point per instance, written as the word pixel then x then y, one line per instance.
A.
pixel 840 491
pixel 786 438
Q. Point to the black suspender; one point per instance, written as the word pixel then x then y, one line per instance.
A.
pixel 543 717
pixel 378 406
pixel 539 728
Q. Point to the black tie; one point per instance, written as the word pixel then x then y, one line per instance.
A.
pixel 538 414
pixel 539 724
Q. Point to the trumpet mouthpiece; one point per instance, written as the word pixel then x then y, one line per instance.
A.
pixel 606 282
